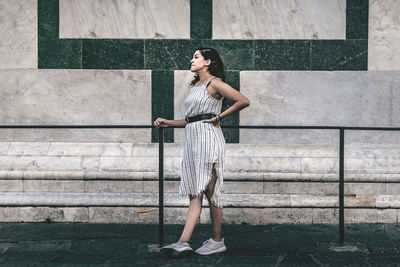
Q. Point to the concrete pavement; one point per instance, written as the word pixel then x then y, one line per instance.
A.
pixel 60 244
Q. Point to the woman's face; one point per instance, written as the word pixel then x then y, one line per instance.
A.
pixel 198 62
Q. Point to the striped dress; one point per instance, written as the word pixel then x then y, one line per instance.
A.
pixel 204 147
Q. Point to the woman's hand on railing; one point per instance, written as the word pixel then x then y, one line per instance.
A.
pixel 161 122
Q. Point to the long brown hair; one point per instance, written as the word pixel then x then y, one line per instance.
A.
pixel 216 66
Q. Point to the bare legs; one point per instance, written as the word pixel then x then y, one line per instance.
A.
pixel 192 218
pixel 195 210
pixel 216 213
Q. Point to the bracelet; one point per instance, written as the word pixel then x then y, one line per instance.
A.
pixel 218 118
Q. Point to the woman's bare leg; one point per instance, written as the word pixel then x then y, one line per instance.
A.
pixel 192 218
pixel 216 213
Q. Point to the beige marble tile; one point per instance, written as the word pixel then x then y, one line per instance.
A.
pixel 320 98
pixel 384 35
pixel 76 97
pixel 279 19
pixel 125 19
pixel 18 31
pixel 181 91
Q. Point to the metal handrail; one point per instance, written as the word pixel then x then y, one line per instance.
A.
pixel 341 165
pixel 341 130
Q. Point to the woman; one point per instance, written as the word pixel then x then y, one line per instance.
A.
pixel 204 149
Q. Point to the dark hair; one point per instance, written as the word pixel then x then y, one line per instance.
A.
pixel 216 66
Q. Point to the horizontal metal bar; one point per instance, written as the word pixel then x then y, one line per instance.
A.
pixel 371 128
pixel 73 126
pixel 222 126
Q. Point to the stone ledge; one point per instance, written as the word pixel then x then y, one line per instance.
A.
pixel 172 186
pixel 177 215
pixel 245 162
pixel 174 200
pixel 56 148
pixel 168 175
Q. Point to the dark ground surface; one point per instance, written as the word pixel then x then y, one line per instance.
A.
pixel 60 244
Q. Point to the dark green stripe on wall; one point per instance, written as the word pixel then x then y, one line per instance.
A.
pixel 236 54
pixel 48 19
pixel 162 101
pixel 113 54
pixel 231 135
pixel 60 54
pixel 176 54
pixel 357 19
pixel 282 55
pixel 339 54
pixel 169 54
pixel 200 19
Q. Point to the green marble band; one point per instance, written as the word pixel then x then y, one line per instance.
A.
pixel 200 19
pixel 162 101
pixel 48 19
pixel 357 19
pixel 113 54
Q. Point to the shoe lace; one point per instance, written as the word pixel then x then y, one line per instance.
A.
pixel 207 242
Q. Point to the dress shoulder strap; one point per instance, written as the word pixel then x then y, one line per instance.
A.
pixel 211 81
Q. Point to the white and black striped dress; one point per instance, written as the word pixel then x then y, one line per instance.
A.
pixel 204 146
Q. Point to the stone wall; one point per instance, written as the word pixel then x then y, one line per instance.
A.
pixel 307 62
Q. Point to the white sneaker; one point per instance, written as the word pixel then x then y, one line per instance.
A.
pixel 210 247
pixel 177 250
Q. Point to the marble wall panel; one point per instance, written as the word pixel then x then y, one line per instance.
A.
pixel 114 186
pixel 279 19
pixel 320 99
pixel 181 91
pixel 176 215
pixel 53 186
pixel 125 19
pixel 129 164
pixel 40 163
pixel 114 215
pixel 384 35
pixel 90 149
pixel 370 215
pixel 321 216
pixel 76 97
pixel 11 185
pixel 4 148
pixel 28 148
pixel 18 31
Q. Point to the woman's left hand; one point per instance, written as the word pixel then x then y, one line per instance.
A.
pixel 213 120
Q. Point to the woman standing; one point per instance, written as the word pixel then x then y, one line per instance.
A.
pixel 204 149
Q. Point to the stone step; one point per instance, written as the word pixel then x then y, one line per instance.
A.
pixel 174 200
pixel 177 215
pixel 260 175
pixel 117 149
pixel 172 186
pixel 243 161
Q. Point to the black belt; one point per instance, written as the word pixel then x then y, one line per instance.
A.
pixel 199 117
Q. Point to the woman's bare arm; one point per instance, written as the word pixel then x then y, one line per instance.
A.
pixel 228 92
pixel 161 122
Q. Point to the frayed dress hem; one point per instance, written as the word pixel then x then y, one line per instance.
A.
pixel 215 199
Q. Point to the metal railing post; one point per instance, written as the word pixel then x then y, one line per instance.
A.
pixel 341 187
pixel 161 186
